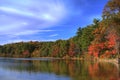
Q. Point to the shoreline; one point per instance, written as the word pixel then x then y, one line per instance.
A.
pixel 108 60
pixel 99 60
pixel 74 58
pixel 112 61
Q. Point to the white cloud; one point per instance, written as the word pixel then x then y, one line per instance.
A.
pixel 30 32
pixel 24 23
pixel 26 40
pixel 14 11
pixel 53 35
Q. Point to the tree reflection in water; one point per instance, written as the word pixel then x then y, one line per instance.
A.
pixel 76 70
pixel 103 71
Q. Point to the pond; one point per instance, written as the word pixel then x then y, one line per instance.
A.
pixel 55 69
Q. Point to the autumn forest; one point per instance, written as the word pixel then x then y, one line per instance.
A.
pixel 101 39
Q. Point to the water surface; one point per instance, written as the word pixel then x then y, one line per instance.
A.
pixel 53 69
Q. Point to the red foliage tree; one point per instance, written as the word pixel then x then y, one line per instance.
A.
pixel 107 47
pixel 26 53
pixel 95 49
pixel 111 43
pixel 55 51
pixel 71 50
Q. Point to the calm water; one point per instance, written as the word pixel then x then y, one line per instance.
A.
pixel 47 69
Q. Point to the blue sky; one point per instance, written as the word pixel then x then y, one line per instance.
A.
pixel 45 20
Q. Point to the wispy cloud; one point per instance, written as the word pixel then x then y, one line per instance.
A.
pixel 53 35
pixel 31 32
pixel 15 11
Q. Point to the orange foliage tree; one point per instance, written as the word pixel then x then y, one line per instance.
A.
pixel 71 50
pixel 105 48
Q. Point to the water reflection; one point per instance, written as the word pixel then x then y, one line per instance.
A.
pixel 56 70
pixel 103 71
